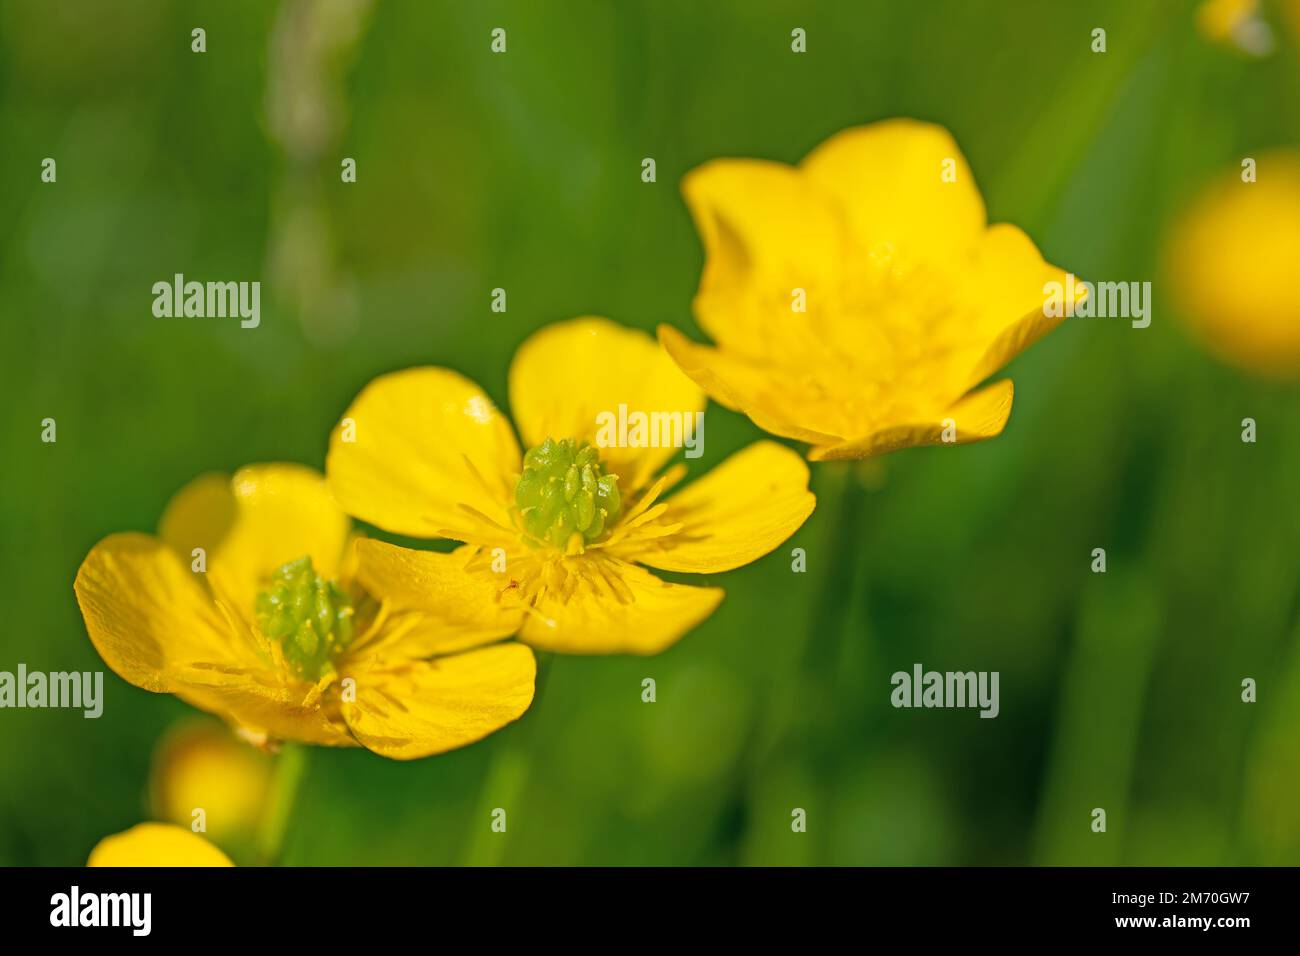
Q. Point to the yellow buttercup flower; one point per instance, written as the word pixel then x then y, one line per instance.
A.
pixel 859 298
pixel 563 533
pixel 1232 260
pixel 247 605
pixel 156 844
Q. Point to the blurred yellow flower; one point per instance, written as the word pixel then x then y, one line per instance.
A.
pixel 560 534
pixel 859 298
pixel 247 605
pixel 1232 258
pixel 1236 24
pixel 202 765
pixel 156 844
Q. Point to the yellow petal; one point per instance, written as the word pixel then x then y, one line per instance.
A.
pixel 282 512
pixel 459 609
pixel 428 444
pixel 996 311
pixel 428 707
pixel 200 515
pixel 980 415
pixel 733 515
pixel 761 391
pixel 767 231
pixel 621 609
pixel 146 613
pixel 565 376
pixel 1008 297
pixel 156 844
pixel 889 180
pixel 261 701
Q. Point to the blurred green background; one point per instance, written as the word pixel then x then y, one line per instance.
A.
pixel 522 171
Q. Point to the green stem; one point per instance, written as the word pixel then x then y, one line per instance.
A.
pixel 290 767
pixel 830 613
pixel 506 777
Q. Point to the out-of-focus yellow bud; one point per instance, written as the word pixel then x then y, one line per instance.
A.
pixel 1232 265
pixel 206 779
pixel 156 844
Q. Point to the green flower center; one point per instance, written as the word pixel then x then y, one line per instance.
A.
pixel 309 616
pixel 564 492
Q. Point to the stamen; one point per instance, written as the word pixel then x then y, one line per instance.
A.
pixel 564 497
pixel 310 618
